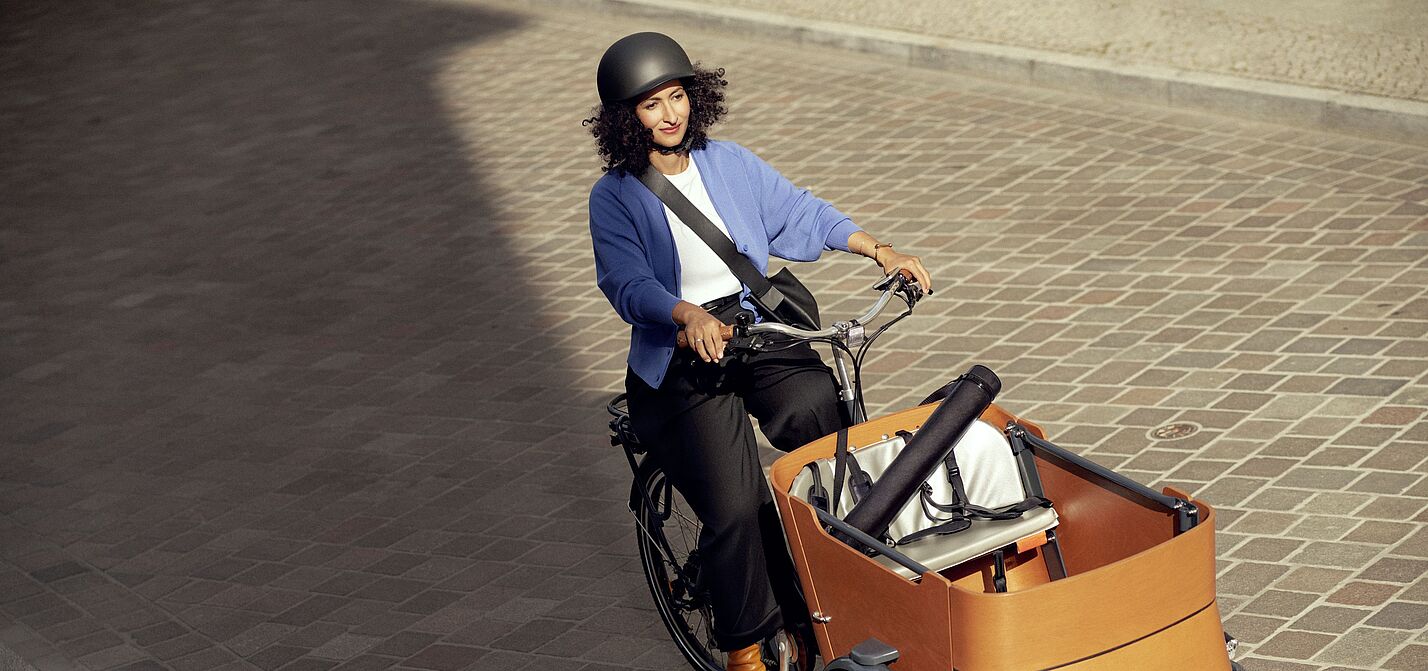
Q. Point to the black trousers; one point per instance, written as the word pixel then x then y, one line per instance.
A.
pixel 697 426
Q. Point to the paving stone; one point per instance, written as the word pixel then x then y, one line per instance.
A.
pixel 1362 647
pixel 259 637
pixel 1410 658
pixel 1364 594
pixel 1346 555
pixel 1326 527
pixel 1393 569
pixel 1266 549
pixel 310 664
pixel 1280 603
pixel 1401 615
pixel 345 646
pixel 404 644
pixel 530 635
pixel 1294 644
pixel 113 657
pixel 207 658
pixel 312 635
pixel 445 657
pixel 1313 579
pixel 428 602
pixel 275 656
pixel 1330 619
pixel 368 663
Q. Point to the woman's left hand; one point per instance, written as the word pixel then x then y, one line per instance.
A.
pixel 888 259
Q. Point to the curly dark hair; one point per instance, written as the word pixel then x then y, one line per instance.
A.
pixel 624 143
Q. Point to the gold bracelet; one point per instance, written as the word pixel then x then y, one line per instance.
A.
pixel 876 247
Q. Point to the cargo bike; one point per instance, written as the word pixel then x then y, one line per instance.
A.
pixel 952 536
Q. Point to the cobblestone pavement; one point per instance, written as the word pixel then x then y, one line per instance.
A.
pixel 1376 47
pixel 303 366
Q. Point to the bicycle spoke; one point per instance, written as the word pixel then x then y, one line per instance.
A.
pixel 669 553
pixel 709 636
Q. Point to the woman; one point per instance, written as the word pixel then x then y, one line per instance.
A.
pixel 690 407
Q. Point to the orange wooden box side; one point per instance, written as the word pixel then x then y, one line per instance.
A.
pixel 1091 612
pixel 1129 579
pixel 861 597
pixel 1195 643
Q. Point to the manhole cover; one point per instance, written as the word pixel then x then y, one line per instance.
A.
pixel 1174 430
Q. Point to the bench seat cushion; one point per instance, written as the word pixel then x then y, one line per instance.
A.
pixel 991 475
pixel 984 536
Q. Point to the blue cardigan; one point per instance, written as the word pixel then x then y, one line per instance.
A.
pixel 637 265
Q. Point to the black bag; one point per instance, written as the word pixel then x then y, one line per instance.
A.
pixel 787 300
pixel 781 297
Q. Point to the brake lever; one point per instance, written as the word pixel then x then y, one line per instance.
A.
pixel 911 293
pixel 751 343
pixel 889 279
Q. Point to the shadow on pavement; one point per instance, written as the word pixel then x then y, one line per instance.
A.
pixel 244 308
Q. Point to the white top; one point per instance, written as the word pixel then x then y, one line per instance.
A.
pixel 703 276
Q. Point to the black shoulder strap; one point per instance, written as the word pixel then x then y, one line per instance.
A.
pixel 738 264
pixel 817 495
pixel 859 482
pixel 840 466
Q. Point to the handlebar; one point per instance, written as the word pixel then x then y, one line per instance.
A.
pixel 898 281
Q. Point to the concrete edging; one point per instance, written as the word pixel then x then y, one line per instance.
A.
pixel 1376 117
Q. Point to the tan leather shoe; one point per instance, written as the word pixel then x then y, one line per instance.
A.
pixel 747 659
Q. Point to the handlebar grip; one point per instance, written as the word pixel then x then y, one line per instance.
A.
pixel 682 341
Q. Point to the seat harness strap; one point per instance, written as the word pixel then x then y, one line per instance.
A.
pixel 840 466
pixel 961 510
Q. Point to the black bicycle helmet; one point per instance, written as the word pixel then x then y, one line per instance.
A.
pixel 637 63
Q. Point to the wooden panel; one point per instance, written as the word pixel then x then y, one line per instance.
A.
pixel 864 599
pixel 1024 571
pixel 1089 613
pixel 1099 524
pixel 1197 643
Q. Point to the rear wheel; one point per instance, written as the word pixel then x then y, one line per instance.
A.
pixel 668 537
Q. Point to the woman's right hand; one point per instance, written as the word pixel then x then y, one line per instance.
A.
pixel 703 330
